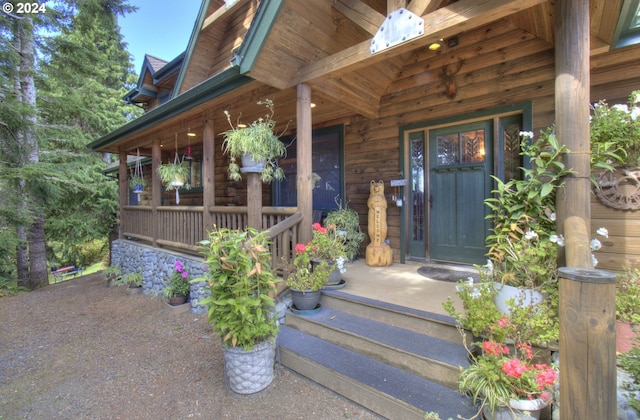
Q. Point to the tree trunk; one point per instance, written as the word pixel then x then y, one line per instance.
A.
pixel 38 275
pixel 23 37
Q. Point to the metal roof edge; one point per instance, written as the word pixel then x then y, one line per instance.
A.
pixel 264 19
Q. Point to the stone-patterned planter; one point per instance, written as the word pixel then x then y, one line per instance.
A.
pixel 250 371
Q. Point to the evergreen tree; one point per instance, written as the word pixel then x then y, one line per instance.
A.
pixel 57 183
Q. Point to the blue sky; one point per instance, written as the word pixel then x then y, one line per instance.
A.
pixel 160 27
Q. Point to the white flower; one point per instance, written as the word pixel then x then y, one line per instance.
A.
pixel 489 266
pixel 552 216
pixel 635 113
pixel 470 281
pixel 527 134
pixel 530 235
pixel 595 244
pixel 621 107
pixel 603 232
pixel 558 240
pixel 594 260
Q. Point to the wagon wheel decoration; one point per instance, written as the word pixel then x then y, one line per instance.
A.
pixel 619 190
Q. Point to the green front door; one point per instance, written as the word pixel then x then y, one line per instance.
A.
pixel 459 181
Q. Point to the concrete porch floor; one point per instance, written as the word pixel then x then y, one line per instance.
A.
pixel 401 284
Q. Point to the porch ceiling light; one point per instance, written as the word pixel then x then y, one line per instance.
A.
pixel 436 45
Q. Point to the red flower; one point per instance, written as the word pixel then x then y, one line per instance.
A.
pixel 513 367
pixel 491 347
pixel 300 248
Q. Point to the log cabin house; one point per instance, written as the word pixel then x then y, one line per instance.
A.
pixel 432 107
pixel 428 96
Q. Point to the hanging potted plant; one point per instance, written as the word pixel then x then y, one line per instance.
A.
pixel 256 145
pixel 240 306
pixel 306 280
pixel 136 180
pixel 175 175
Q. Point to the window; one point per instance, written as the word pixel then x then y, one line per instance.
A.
pixel 628 29
pixel 326 171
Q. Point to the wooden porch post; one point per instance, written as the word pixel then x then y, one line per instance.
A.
pixel 254 200
pixel 304 154
pixel 156 186
pixel 123 191
pixel 208 169
pixel 572 107
pixel 587 304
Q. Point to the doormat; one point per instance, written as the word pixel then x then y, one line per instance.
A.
pixel 443 274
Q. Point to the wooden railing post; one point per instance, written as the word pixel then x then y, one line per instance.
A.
pixel 587 344
pixel 156 187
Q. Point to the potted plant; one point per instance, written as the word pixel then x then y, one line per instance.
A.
pixel 241 305
pixel 327 245
pixel 506 381
pixel 347 224
pixel 112 274
pixel 132 280
pixel 306 280
pixel 175 175
pixel 137 183
pixel 627 309
pixel 179 286
pixel 256 145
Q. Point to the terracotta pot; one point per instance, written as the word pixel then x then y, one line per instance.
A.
pixel 625 336
pixel 177 300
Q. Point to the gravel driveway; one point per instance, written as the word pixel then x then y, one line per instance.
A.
pixel 81 350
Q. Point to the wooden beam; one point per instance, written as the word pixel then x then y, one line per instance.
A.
pixel 393 5
pixel 156 187
pixel 598 46
pixel 442 23
pixel 420 7
pixel 335 91
pixel 123 184
pixel 222 11
pixel 304 156
pixel 208 170
pixel 361 14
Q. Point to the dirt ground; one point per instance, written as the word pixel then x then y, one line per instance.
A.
pixel 81 350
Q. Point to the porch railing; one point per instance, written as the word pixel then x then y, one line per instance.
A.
pixel 182 227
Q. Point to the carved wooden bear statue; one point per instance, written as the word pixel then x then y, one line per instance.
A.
pixel 378 253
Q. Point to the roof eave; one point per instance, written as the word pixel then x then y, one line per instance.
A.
pixel 214 87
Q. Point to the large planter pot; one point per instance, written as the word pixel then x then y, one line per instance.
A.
pixel 524 297
pixel 250 371
pixel 251 165
pixel 625 336
pixel 305 299
pixel 517 410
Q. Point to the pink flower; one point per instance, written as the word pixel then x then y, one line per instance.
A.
pixel 185 274
pixel 525 349
pixel 300 248
pixel 179 266
pixel 491 347
pixel 513 367
pixel 318 227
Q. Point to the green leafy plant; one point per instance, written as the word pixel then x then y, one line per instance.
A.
pixel 523 210
pixel 135 181
pixel 615 133
pixel 257 139
pixel 496 376
pixel 172 174
pixel 347 223
pixel 133 279
pixel 112 274
pixel 302 275
pixel 628 296
pixel 630 363
pixel 242 285
pixel 179 284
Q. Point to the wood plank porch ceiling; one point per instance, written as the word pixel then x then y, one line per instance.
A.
pixel 326 44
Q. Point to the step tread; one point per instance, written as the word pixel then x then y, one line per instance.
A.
pixel 432 316
pixel 397 383
pixel 412 342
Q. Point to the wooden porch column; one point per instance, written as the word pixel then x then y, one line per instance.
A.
pixel 208 169
pixel 572 107
pixel 254 200
pixel 304 153
pixel 156 186
pixel 123 190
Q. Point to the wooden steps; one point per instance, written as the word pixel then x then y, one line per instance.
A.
pixel 394 361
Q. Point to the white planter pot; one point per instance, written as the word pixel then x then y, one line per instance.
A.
pixel 524 297
pixel 251 165
pixel 250 371
pixel 517 410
